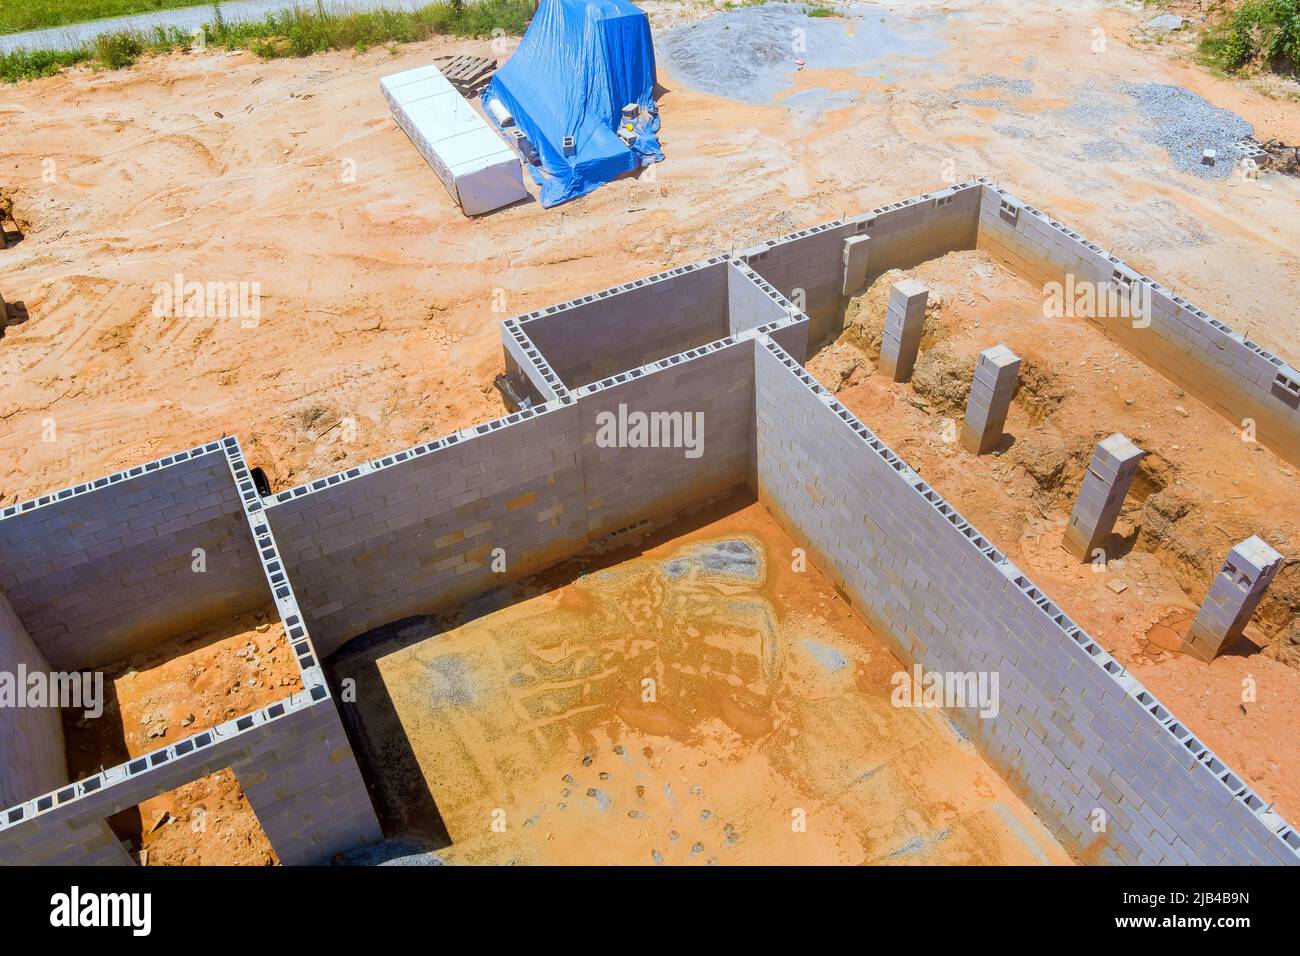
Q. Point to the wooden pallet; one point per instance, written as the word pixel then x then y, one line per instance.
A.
pixel 467 73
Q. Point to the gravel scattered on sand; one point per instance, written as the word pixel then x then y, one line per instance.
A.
pixel 1186 124
pixel 994 81
pixel 748 54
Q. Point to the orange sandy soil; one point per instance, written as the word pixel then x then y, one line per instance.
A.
pixel 1199 490
pixel 771 696
pixel 179 688
pixel 380 302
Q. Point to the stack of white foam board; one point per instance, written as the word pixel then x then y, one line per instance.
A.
pixel 480 171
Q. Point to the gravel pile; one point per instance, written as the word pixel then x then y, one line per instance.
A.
pixel 1186 124
pixel 748 54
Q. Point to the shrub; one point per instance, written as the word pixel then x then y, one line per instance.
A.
pixel 116 50
pixel 300 31
pixel 1259 32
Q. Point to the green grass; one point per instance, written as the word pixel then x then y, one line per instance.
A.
pixel 19 15
pixel 299 32
pixel 820 11
pixel 1258 34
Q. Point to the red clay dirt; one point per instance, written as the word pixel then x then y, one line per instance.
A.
pixel 1199 490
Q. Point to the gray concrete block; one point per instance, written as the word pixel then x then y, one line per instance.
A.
pixel 1105 485
pixel 996 376
pixel 1234 594
pixel 904 323
pixel 856 256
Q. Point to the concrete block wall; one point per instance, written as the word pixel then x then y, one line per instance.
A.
pixel 907 233
pixel 291 757
pixel 1223 368
pixel 528 367
pixel 307 790
pixel 104 569
pixel 414 532
pixel 1075 733
pixel 752 301
pixel 305 786
pixel 786 324
pixel 67 826
pixel 791 331
pixel 807 269
pixel 901 235
pixel 32 758
pixel 624 485
pixel 594 336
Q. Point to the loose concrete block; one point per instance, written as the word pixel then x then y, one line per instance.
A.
pixel 996 375
pixel 904 322
pixel 1234 594
pixel 1106 483
pixel 856 254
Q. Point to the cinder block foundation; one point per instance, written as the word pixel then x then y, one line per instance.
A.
pixel 1234 594
pixel 144 519
pixel 1105 485
pixel 416 530
pixel 996 375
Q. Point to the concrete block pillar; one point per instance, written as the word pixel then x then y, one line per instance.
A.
pixel 1234 595
pixel 996 375
pixel 1105 485
pixel 904 321
pixel 308 793
pixel 856 253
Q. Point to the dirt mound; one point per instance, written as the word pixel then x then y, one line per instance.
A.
pixel 1040 390
pixel 1055 468
pixel 864 318
pixel 942 377
pixel 1172 525
pixel 1286 648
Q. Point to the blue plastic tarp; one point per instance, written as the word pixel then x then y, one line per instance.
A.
pixel 578 65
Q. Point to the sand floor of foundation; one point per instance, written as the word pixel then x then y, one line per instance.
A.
pixel 699 702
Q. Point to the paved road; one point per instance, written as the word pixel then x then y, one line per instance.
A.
pixel 185 18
